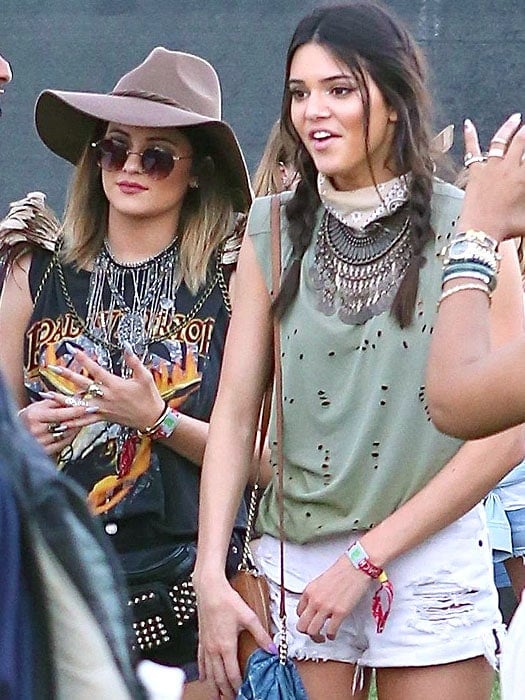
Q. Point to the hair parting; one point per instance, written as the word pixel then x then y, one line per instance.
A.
pixel 369 40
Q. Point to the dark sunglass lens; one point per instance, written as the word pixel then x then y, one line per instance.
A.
pixel 157 162
pixel 111 155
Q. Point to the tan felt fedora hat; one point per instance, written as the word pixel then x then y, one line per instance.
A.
pixel 168 89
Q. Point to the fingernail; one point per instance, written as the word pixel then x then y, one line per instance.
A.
pixel 128 347
pixel 46 394
pixel 72 350
pixel 516 117
pixel 272 648
pixel 92 409
pixel 55 368
pixel 468 124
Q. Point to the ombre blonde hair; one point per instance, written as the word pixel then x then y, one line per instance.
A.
pixel 278 152
pixel 205 220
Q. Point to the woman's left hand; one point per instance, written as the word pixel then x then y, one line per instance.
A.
pixel 329 598
pixel 134 402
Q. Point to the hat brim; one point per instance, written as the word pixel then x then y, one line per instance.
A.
pixel 66 121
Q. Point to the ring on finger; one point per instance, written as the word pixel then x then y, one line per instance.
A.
pixel 499 139
pixel 496 153
pixel 473 159
pixel 94 390
pixel 56 429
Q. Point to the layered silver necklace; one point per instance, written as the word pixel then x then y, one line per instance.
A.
pixel 357 271
pixel 129 302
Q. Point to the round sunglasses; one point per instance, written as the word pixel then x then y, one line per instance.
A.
pixel 157 162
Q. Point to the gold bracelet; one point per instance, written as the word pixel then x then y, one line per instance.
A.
pixel 150 429
pixel 465 287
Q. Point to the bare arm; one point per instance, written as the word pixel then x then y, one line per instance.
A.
pixel 475 389
pixel 245 373
pixel 16 306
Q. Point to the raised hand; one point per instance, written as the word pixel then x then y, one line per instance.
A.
pixel 134 402
pixel 495 193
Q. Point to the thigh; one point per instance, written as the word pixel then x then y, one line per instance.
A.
pixel 516 571
pixel 198 691
pixel 333 680
pixel 469 680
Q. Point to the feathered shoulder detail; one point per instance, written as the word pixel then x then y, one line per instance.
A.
pixel 232 244
pixel 29 222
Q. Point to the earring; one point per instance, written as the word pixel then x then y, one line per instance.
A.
pixel 194 185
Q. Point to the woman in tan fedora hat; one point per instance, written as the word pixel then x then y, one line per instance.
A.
pixel 113 339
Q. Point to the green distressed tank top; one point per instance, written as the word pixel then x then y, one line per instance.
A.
pixel 358 439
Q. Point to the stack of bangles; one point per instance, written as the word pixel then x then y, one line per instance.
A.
pixel 471 255
pixel 384 595
pixel 164 426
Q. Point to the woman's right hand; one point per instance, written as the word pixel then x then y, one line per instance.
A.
pixel 222 616
pixel 54 423
pixel 495 192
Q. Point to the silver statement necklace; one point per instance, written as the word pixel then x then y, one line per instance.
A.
pixel 129 302
pixel 357 271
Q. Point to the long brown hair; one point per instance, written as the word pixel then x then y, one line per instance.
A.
pixel 370 41
pixel 205 220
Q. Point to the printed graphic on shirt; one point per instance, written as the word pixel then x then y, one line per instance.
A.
pixel 111 462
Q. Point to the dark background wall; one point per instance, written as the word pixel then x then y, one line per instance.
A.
pixel 476 50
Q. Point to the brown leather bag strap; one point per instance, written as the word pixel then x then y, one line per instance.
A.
pixel 278 398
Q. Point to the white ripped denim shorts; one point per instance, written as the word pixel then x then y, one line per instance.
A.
pixel 445 605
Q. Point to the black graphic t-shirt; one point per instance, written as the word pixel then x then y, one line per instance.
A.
pixel 161 506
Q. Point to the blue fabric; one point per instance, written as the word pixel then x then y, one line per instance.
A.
pixel 265 677
pixel 16 633
pixel 52 505
pixel 500 537
pixel 506 528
